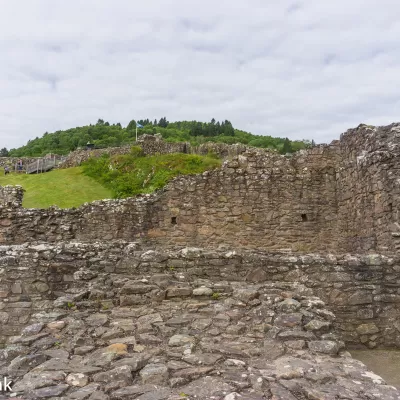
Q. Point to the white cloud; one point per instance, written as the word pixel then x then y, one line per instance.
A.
pixel 301 69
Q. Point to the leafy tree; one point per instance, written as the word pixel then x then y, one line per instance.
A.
pixel 163 123
pixel 102 134
pixel 4 152
pixel 144 122
pixel 131 126
pixel 287 147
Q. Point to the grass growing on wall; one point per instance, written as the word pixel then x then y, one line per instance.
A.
pixel 65 188
pixel 133 174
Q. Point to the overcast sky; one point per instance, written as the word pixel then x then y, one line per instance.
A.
pixel 298 69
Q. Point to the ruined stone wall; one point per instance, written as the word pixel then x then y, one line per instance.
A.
pixel 152 145
pixel 77 157
pixel 363 292
pixel 120 322
pixel 253 201
pixel 341 197
pixel 368 179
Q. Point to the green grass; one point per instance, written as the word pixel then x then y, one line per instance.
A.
pixel 64 188
pixel 132 174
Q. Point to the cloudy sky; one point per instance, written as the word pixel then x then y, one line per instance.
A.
pixel 298 69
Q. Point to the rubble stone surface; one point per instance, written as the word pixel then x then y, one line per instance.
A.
pixel 214 360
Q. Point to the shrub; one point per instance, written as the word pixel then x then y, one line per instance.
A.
pixel 216 295
pixel 136 151
pixel 132 174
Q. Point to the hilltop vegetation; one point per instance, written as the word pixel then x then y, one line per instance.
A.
pixel 102 134
pixel 65 188
pixel 132 174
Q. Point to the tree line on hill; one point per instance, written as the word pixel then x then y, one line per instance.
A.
pixel 103 134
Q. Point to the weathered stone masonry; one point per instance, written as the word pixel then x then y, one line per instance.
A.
pixel 153 144
pixel 106 302
pixel 254 201
pixel 137 324
pixel 339 198
pixel 11 196
pixel 363 292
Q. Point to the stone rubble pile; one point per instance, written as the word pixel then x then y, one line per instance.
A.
pixel 162 337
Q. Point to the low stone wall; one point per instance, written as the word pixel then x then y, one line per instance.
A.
pixel 170 338
pixel 154 144
pixel 77 157
pixel 362 291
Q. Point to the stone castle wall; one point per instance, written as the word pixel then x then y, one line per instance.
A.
pixel 253 201
pixel 152 145
pixel 341 197
pixel 124 273
pixel 77 157
pixel 363 292
pixel 368 188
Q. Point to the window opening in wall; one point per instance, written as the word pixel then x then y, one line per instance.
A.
pixel 304 217
pixel 390 207
pixel 173 220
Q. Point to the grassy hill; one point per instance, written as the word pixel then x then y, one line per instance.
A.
pixel 65 188
pixel 132 174
pixel 106 177
pixel 102 134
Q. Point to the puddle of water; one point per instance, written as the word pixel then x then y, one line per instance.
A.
pixel 385 363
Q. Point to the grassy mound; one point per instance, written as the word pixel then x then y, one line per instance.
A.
pixel 133 174
pixel 65 188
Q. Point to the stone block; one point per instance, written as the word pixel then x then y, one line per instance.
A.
pixel 324 346
pixel 175 291
pixel 367 329
pixel 16 288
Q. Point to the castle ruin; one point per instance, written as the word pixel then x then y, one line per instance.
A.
pixel 214 285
